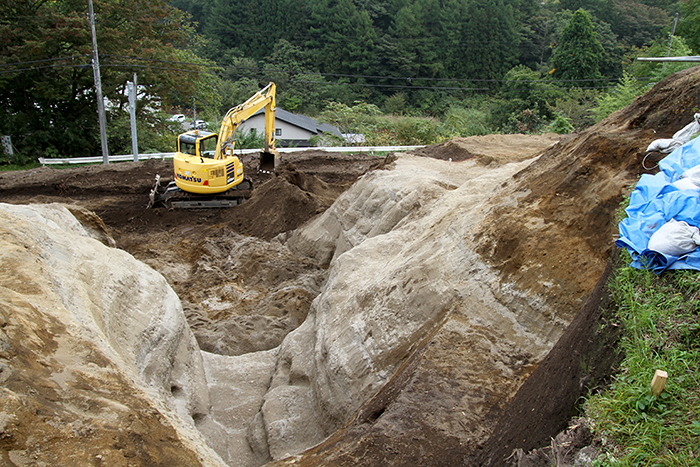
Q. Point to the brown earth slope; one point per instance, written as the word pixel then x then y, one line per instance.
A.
pixel 556 218
pixel 560 222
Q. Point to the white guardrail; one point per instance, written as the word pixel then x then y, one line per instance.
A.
pixel 169 155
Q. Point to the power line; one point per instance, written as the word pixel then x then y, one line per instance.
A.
pixel 347 75
pixel 264 72
pixel 307 73
pixel 87 65
pixel 72 57
pixel 184 70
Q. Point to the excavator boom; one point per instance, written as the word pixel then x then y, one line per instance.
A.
pixel 265 98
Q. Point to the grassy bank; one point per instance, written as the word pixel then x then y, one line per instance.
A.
pixel 659 315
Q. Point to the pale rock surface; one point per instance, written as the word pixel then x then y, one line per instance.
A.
pixel 402 271
pixel 403 267
pixel 237 385
pixel 118 356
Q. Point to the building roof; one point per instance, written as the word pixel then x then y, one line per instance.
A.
pixel 302 121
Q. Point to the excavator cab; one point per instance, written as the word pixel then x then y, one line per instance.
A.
pixel 198 143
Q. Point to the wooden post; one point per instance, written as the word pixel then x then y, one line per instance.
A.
pixel 658 382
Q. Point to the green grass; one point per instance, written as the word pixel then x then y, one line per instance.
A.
pixel 6 166
pixel 660 316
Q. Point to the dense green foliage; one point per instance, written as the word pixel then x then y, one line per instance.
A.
pixel 519 65
pixel 624 93
pixel 47 86
pixel 578 56
pixel 659 316
pixel 689 24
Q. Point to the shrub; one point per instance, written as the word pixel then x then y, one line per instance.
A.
pixel 626 90
pixel 461 121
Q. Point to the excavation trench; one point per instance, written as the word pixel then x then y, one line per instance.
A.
pixel 355 310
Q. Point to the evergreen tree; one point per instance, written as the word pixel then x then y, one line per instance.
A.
pixel 490 40
pixel 689 24
pixel 579 53
pixel 198 10
pixel 635 23
pixel 236 28
pixel 537 34
pixel 414 31
pixel 610 64
pixel 341 36
pixel 602 9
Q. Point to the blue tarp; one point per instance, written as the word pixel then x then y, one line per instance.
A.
pixel 654 202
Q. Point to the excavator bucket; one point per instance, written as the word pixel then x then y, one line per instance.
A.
pixel 267 162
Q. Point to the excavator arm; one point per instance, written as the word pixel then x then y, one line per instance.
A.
pixel 265 98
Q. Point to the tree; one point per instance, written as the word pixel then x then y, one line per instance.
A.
pixel 635 23
pixel 537 35
pixel 524 94
pixel 526 85
pixel 414 34
pixel 579 53
pixel 489 43
pixel 46 85
pixel 342 37
pixel 689 24
pixel 198 9
pixel 235 29
pixel 610 64
pixel 350 120
pixel 626 91
pixel 656 71
pixel 599 8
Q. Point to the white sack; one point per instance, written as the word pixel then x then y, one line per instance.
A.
pixel 675 238
pixel 681 137
pixel 664 145
pixel 692 174
pixel 687 183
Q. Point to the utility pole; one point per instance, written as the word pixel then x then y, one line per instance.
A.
pixel 673 31
pixel 98 87
pixel 133 93
pixel 670 40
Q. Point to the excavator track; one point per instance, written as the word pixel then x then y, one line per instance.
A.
pixel 173 197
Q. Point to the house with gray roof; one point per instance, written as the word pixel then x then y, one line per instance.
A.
pixel 291 130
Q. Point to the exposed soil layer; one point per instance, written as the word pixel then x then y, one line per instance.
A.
pixel 189 246
pixel 305 184
pixel 584 357
pixel 560 186
pixel 552 193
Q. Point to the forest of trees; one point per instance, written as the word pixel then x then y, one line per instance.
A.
pixel 475 66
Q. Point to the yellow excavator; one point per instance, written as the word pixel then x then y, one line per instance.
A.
pixel 206 172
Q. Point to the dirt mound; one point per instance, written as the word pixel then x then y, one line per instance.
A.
pixel 556 219
pixel 489 149
pixel 282 203
pixel 118 193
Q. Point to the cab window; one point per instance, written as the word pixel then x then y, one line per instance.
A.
pixel 188 148
pixel 208 146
